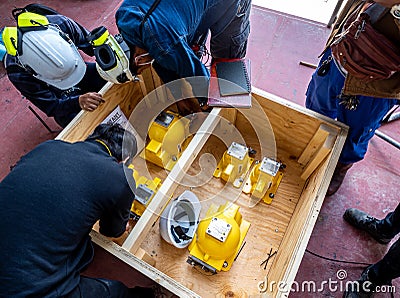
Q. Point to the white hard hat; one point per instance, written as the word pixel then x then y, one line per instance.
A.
pixel 179 220
pixel 53 57
pixel 112 56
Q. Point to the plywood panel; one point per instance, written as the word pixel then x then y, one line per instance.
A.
pixel 272 127
pixel 293 125
pixel 268 227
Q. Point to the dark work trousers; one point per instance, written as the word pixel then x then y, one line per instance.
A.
pixel 106 288
pixel 388 268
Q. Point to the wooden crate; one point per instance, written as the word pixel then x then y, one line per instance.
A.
pixel 308 143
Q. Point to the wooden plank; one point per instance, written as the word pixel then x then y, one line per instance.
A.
pixel 319 156
pixel 148 80
pixel 143 255
pixel 139 232
pixel 230 116
pixel 316 142
pixel 299 231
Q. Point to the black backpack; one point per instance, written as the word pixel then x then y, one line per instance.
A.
pixel 35 8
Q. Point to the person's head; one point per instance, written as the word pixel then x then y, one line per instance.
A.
pixel 44 51
pixel 121 143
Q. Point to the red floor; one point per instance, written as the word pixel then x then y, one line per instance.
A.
pixel 277 44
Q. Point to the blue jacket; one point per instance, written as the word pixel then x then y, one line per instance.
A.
pixel 171 30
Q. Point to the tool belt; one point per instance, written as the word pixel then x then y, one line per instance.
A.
pixel 361 50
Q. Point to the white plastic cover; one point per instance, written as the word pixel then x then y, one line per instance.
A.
pixel 54 60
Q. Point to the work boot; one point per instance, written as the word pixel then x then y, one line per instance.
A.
pixel 361 288
pixel 363 221
pixel 337 178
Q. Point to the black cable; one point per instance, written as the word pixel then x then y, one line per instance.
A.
pixel 338 261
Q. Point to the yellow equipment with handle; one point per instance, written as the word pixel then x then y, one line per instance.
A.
pixel 144 193
pixel 169 136
pixel 234 164
pixel 264 180
pixel 218 239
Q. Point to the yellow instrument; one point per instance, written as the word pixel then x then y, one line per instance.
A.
pixel 144 193
pixel 169 136
pixel 264 180
pixel 219 238
pixel 234 165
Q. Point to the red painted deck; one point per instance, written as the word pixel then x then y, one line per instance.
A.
pixel 277 44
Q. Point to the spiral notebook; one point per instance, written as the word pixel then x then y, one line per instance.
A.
pixel 234 78
pixel 230 84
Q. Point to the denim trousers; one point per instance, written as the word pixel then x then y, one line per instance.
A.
pixel 323 97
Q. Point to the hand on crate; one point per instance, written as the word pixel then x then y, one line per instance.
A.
pixel 90 101
pixel 188 106
pixel 120 240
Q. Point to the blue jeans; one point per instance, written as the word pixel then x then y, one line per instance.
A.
pixel 323 97
pixel 231 41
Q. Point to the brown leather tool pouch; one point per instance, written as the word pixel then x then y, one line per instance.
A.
pixel 363 51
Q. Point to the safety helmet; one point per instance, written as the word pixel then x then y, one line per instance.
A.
pixel 112 56
pixel 179 220
pixel 45 51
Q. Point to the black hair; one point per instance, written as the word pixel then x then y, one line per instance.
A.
pixel 122 143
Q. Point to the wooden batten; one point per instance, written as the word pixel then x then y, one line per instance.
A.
pixel 308 144
pixel 139 232
pixel 316 142
pixel 318 149
pixel 142 266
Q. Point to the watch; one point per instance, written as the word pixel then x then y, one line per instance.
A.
pixel 395 11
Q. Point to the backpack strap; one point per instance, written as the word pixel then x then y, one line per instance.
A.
pixel 147 15
pixel 35 8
